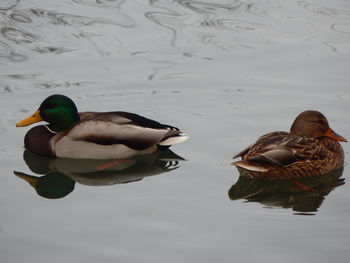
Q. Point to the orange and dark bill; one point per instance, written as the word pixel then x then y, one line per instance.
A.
pixel 35 117
pixel 335 136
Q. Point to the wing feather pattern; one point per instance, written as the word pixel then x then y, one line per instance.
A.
pixel 108 133
pixel 122 117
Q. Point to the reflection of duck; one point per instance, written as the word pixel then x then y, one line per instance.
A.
pixel 53 185
pixel 311 148
pixel 94 135
pixel 60 175
pixel 302 195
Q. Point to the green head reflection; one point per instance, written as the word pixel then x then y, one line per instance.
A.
pixel 53 185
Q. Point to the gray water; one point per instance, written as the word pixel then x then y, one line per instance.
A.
pixel 225 72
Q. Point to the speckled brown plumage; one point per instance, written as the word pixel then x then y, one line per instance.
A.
pixel 311 148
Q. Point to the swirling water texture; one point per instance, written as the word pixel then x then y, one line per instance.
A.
pixel 27 31
pixel 243 25
pixel 84 25
pixel 166 31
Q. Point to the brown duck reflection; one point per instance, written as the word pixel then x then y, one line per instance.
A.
pixel 58 176
pixel 301 195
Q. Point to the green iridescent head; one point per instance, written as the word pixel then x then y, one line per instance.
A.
pixel 58 110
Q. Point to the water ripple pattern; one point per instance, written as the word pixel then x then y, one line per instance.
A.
pixel 104 27
pixel 167 33
pixel 225 72
pixel 76 26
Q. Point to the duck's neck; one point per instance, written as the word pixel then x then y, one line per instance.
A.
pixel 64 122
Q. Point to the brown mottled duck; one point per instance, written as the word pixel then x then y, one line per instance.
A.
pixel 310 148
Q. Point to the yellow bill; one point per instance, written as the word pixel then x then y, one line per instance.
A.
pixel 32 180
pixel 35 117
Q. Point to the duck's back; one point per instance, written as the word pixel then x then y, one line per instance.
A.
pixel 107 135
pixel 281 155
pixel 122 117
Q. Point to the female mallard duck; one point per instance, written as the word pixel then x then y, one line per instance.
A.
pixel 94 135
pixel 310 148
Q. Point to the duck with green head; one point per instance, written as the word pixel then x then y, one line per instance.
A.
pixel 94 135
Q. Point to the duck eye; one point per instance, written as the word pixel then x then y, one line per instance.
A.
pixel 49 106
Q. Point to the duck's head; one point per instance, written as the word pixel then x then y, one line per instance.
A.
pixel 313 124
pixel 58 110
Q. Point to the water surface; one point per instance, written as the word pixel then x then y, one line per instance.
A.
pixel 225 72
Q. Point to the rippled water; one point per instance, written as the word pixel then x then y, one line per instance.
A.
pixel 223 71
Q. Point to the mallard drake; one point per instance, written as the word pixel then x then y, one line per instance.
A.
pixel 94 135
pixel 310 148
